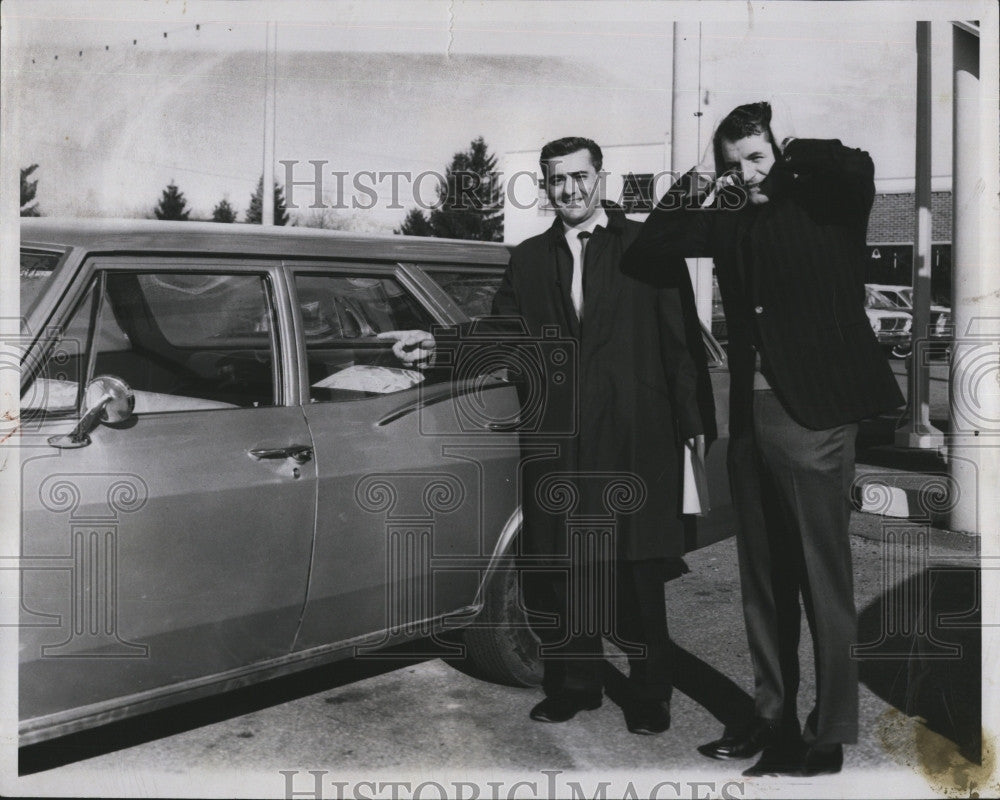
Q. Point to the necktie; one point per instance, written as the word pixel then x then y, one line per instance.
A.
pixel 576 288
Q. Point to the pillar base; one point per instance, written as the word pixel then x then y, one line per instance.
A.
pixel 921 436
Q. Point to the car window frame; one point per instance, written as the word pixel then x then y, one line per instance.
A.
pixel 464 269
pixel 93 264
pixel 405 274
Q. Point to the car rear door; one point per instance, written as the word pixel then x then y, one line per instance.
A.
pixel 174 548
pixel 411 501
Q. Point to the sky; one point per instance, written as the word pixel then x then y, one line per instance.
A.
pixel 112 109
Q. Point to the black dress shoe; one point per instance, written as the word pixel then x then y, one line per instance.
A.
pixel 742 744
pixel 562 707
pixel 782 757
pixel 647 719
pixel 822 760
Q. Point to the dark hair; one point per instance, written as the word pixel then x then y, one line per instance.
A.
pixel 751 119
pixel 571 144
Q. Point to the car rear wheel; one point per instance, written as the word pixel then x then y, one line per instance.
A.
pixel 500 647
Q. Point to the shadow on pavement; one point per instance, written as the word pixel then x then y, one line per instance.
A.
pixel 921 652
pixel 876 446
pixel 700 681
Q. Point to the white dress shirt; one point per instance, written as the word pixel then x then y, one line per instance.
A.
pixel 576 248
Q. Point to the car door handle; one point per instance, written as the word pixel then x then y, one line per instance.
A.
pixel 299 453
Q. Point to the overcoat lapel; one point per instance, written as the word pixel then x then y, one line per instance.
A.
pixel 600 274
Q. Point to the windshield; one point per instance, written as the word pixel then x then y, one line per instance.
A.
pixel 37 267
pixel 880 298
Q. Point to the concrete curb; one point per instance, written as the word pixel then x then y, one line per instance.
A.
pixel 922 497
pixel 899 493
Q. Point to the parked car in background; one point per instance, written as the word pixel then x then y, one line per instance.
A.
pixel 939 328
pixel 227 477
pixel 889 321
pixel 892 296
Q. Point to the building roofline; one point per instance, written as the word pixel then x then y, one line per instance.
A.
pixel 939 183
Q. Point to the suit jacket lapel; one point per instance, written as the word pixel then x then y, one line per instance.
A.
pixel 742 239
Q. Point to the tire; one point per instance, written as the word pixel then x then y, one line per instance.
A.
pixel 500 647
pixel 901 350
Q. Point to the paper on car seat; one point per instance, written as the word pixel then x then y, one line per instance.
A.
pixel 365 378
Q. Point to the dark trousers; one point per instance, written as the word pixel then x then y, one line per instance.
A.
pixel 791 489
pixel 622 601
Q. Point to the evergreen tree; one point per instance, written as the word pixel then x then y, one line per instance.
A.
pixel 29 206
pixel 470 201
pixel 223 212
pixel 256 210
pixel 172 204
pixel 415 224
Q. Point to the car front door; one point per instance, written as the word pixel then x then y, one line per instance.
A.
pixel 174 547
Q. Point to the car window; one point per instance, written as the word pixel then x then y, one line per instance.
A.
pixel 341 317
pixel 56 390
pixel 181 341
pixel 472 290
pixel 37 267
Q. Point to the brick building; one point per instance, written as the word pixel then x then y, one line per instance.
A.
pixel 890 241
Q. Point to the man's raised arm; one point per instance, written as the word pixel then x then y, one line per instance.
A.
pixel 679 226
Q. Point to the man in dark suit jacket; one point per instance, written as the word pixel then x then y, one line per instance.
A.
pixel 616 429
pixel 786 228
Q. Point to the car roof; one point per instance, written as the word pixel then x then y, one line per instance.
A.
pixel 149 236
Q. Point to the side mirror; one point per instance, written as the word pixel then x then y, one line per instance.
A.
pixel 106 399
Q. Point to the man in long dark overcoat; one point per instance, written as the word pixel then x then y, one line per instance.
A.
pixel 637 389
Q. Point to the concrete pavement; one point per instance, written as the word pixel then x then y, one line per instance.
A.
pixel 405 718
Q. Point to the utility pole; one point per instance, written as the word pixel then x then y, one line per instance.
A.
pixel 689 134
pixel 918 431
pixel 270 74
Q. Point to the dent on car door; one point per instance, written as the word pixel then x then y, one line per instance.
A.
pixel 410 502
pixel 163 550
